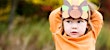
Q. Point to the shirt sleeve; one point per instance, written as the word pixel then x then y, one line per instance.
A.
pixel 96 22
pixel 55 20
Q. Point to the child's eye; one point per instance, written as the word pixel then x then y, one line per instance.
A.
pixel 68 21
pixel 79 21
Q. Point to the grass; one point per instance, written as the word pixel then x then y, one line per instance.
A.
pixel 104 38
pixel 34 35
pixel 38 31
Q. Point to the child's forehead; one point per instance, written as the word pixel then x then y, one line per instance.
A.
pixel 73 19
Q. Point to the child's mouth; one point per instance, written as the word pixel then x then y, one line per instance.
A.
pixel 74 33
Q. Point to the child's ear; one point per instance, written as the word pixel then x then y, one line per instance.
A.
pixel 87 26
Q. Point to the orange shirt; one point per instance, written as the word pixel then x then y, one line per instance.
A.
pixel 64 42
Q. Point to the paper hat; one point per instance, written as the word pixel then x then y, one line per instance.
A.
pixel 75 9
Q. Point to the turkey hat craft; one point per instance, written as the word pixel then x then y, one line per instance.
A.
pixel 75 9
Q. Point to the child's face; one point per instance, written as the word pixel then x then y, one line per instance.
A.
pixel 75 28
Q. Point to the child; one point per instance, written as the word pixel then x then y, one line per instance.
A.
pixel 75 26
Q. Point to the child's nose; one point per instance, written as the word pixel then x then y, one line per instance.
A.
pixel 74 26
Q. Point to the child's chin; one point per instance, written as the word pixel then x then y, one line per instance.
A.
pixel 74 36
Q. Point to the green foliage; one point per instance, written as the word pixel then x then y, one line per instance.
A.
pixel 3 27
pixel 104 38
pixel 96 2
pixel 53 3
pixel 3 3
pixel 27 9
pixel 34 33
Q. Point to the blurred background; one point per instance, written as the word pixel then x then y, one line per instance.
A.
pixel 24 24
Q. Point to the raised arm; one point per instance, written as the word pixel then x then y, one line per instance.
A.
pixel 96 22
pixel 55 20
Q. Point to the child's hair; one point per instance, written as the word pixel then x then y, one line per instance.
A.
pixel 88 21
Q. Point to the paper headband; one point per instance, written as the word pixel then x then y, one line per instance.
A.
pixel 75 9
